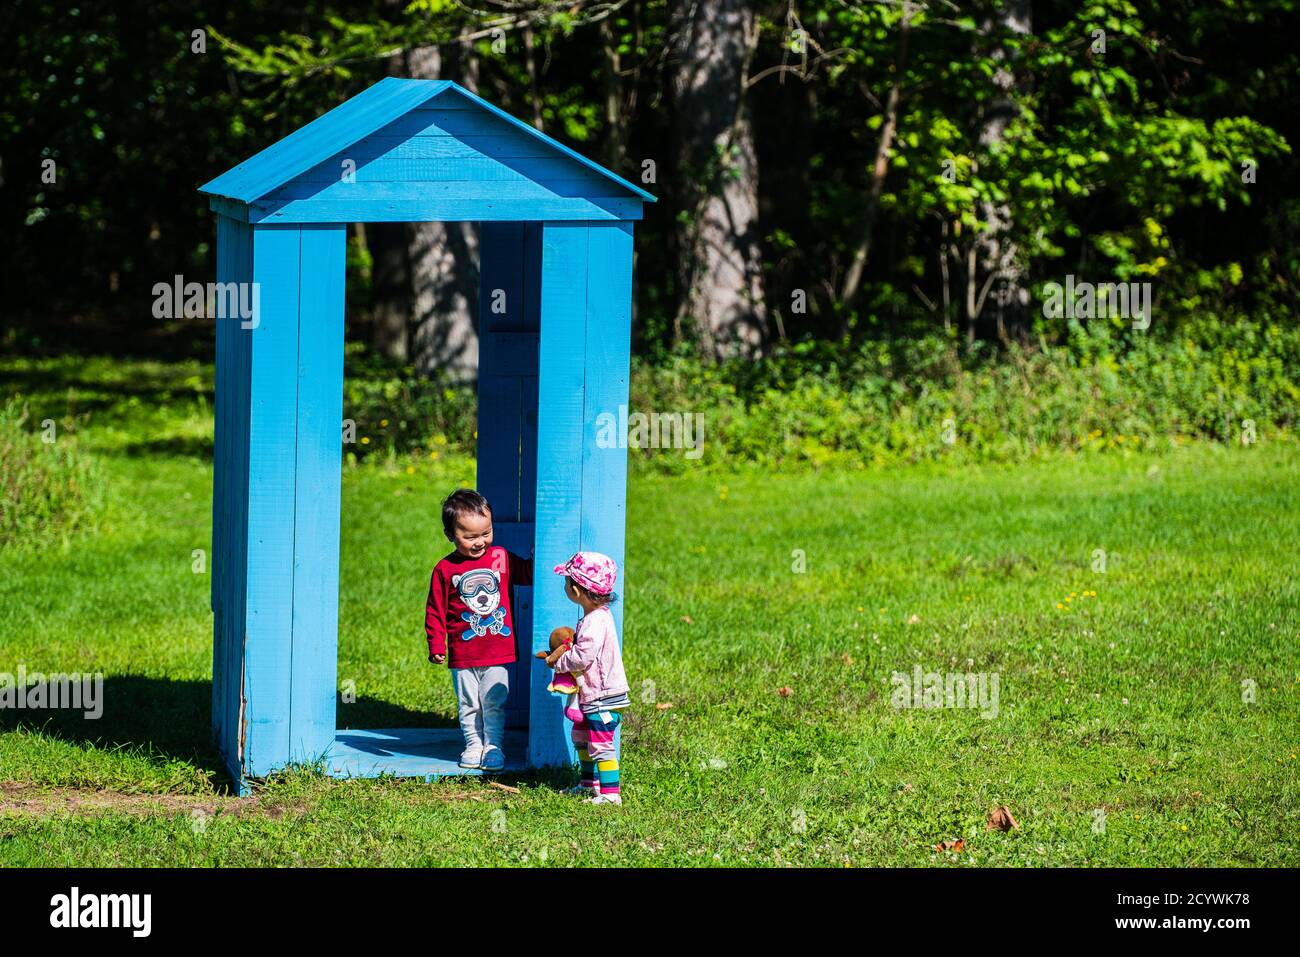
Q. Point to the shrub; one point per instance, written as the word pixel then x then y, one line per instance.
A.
pixel 397 411
pixel 818 404
pixel 47 489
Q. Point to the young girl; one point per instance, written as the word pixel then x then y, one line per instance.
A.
pixel 589 582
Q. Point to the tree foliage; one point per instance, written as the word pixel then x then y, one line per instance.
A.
pixel 1143 142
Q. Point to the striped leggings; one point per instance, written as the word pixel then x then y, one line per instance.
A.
pixel 593 736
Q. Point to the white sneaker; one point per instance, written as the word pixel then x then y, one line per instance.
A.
pixel 471 757
pixel 606 799
pixel 493 759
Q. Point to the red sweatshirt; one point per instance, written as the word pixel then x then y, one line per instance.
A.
pixel 467 616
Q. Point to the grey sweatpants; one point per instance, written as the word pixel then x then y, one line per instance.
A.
pixel 481 704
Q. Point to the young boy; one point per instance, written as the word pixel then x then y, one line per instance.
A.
pixel 469 626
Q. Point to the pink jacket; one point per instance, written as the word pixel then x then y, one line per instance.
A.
pixel 596 654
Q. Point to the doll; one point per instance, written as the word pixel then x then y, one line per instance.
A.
pixel 562 682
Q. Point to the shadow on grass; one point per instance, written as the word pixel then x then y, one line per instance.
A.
pixel 160 719
pixel 165 720
pixel 177 445
pixel 47 333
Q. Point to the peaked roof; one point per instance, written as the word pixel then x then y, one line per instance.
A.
pixel 354 119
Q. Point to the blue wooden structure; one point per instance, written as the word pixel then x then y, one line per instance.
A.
pixel 554 338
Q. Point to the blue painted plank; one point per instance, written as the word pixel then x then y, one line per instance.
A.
pixel 398 166
pixel 271 492
pixel 498 444
pixel 318 471
pixel 457 205
pixel 518 708
pixel 222 448
pixel 237 580
pixel 461 190
pixel 440 145
pixel 501 281
pixel 528 450
pixel 532 277
pixel 531 322
pixel 226 562
pixel 410 753
pixel 608 358
pixel 507 355
pixel 561 358
pixel 518 538
pixel 609 350
pixel 230 208
pixel 527 514
pixel 514 353
pixel 448 103
pixel 220 440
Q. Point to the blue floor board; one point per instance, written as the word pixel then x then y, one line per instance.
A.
pixel 411 752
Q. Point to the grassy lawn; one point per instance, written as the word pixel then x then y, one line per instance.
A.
pixel 1123 734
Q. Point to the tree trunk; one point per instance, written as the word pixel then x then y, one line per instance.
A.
pixel 994 247
pixel 718 252
pixel 615 132
pixel 426 274
pixel 858 266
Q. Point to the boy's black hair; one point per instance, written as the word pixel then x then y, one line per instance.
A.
pixel 463 501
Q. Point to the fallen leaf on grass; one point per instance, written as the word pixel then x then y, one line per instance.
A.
pixel 1001 820
pixel 663 705
pixel 688 619
pixel 785 691
pixel 846 658
pixel 956 846
pixel 915 619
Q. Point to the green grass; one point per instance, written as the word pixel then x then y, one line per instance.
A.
pixel 1126 707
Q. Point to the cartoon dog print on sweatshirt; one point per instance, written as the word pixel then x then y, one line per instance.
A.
pixel 480 590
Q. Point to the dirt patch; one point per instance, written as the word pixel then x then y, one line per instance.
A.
pixel 28 799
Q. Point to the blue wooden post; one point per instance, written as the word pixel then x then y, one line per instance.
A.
pixel 276 499
pixel 583 357
pixel 230 501
pixel 272 459
pixel 318 475
pixel 608 359
pixel 507 415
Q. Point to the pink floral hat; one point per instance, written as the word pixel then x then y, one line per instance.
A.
pixel 591 570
